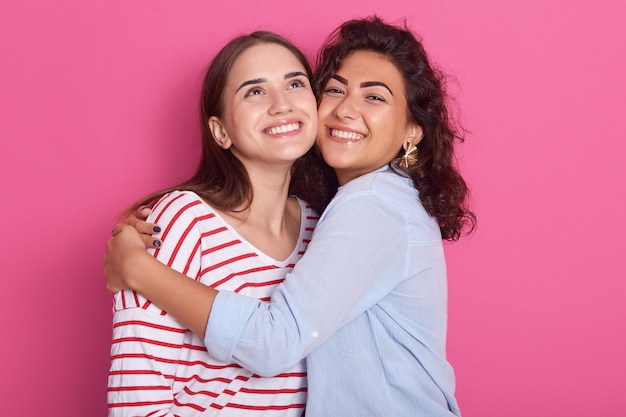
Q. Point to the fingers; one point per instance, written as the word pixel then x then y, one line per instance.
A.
pixel 151 241
pixel 117 229
pixel 148 240
pixel 142 213
pixel 137 220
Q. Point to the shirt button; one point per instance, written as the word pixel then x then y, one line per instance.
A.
pixel 315 334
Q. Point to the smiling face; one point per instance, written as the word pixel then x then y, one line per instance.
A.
pixel 270 116
pixel 363 116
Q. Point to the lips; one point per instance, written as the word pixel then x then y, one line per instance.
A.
pixel 282 129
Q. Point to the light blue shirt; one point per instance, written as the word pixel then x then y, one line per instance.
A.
pixel 366 305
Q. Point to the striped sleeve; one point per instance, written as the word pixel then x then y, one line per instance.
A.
pixel 147 343
pixel 178 214
pixel 144 355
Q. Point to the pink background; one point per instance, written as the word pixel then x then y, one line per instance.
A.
pixel 98 107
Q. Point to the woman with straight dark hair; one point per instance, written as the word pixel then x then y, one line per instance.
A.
pixel 367 303
pixel 233 226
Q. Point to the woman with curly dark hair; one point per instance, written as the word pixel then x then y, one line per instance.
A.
pixel 367 303
pixel 442 190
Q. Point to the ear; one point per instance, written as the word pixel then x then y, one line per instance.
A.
pixel 415 133
pixel 219 133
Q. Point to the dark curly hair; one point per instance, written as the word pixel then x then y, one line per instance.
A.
pixel 443 192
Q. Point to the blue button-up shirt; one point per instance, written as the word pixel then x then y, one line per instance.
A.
pixel 366 305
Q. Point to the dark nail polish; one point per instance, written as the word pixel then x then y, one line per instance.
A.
pixel 157 243
pixel 156 229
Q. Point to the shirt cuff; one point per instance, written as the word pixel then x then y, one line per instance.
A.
pixel 229 315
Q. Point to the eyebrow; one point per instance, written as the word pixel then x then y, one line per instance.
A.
pixel 340 79
pixel 262 80
pixel 295 74
pixel 364 84
pixel 376 83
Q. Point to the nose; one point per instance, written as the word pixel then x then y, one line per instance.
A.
pixel 346 109
pixel 280 104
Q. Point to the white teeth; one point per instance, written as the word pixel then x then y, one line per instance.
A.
pixel 283 129
pixel 342 134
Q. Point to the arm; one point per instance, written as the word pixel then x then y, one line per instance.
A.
pixel 147 343
pixel 357 256
pixel 142 371
pixel 128 265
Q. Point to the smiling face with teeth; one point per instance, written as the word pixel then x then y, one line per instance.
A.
pixel 269 110
pixel 363 116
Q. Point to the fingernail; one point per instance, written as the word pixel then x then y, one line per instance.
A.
pixel 156 229
pixel 157 243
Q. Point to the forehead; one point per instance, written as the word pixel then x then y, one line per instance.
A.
pixel 363 66
pixel 264 60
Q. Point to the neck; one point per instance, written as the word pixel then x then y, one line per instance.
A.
pixel 270 188
pixel 344 176
pixel 272 222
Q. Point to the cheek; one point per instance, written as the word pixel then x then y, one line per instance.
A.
pixel 244 113
pixel 386 123
pixel 325 108
pixel 306 101
pixel 312 110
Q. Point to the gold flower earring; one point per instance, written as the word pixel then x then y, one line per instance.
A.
pixel 410 154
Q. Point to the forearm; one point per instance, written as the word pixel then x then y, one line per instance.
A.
pixel 183 298
pixel 322 293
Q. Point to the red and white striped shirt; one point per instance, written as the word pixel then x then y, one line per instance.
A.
pixel 159 368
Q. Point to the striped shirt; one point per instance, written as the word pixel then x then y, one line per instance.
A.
pixel 159 368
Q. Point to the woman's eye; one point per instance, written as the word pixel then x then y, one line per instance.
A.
pixel 331 90
pixel 254 92
pixel 296 84
pixel 375 98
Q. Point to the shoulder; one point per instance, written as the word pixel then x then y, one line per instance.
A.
pixel 382 186
pixel 180 203
pixel 307 212
pixel 308 219
pixel 395 195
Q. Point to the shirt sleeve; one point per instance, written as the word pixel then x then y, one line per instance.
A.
pixel 358 254
pixel 144 354
pixel 147 342
pixel 179 214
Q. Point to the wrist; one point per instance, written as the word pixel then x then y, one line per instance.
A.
pixel 136 269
